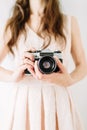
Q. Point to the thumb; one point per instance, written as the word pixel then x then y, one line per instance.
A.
pixel 60 65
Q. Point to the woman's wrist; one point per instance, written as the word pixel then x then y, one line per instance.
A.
pixel 73 80
pixel 69 81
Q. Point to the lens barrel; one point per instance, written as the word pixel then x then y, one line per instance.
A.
pixel 47 64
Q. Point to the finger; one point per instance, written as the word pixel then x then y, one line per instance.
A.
pixel 32 50
pixel 22 68
pixel 28 55
pixel 38 73
pixel 30 69
pixel 27 61
pixel 32 72
pixel 60 65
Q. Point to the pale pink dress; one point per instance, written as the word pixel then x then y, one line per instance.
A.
pixel 33 104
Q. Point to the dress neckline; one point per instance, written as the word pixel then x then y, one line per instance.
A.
pixel 34 32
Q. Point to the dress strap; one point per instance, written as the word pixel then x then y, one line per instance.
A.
pixel 67 31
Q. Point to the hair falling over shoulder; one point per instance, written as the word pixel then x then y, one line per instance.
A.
pixel 52 20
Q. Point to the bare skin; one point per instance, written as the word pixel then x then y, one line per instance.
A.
pixel 62 78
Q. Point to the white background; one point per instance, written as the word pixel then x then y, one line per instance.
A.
pixel 76 8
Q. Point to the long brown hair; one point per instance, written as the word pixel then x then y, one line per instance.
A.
pixel 52 20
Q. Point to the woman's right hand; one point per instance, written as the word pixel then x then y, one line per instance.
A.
pixel 27 62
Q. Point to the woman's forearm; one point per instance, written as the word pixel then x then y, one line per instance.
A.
pixel 79 73
pixel 5 75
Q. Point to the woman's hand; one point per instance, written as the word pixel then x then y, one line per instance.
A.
pixel 27 62
pixel 61 78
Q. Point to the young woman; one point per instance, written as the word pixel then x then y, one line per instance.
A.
pixel 41 101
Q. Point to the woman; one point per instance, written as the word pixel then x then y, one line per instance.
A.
pixel 41 101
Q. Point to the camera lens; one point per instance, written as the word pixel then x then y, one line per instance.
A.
pixel 47 64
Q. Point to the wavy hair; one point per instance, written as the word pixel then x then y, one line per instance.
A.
pixel 52 20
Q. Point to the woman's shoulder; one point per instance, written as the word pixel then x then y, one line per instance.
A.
pixel 4 38
pixel 66 23
pixel 66 17
pixel 69 21
pixel 69 18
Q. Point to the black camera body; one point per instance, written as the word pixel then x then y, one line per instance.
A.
pixel 46 61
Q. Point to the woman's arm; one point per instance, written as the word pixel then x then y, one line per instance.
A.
pixel 4 74
pixel 18 74
pixel 78 53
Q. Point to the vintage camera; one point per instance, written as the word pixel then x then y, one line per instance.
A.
pixel 46 61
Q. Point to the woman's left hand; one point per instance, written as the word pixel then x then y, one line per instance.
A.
pixel 62 78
